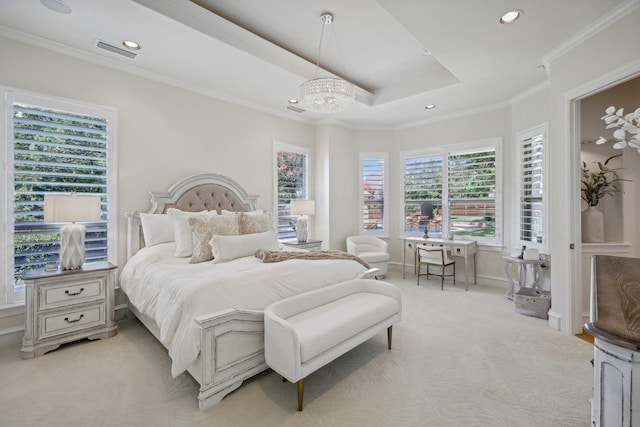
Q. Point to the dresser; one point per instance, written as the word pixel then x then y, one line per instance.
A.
pixel 65 306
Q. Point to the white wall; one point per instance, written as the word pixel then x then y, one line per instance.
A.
pixel 574 74
pixel 164 133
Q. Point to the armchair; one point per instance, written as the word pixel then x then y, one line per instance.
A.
pixel 371 249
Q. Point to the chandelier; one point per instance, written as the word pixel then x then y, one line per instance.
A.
pixel 326 94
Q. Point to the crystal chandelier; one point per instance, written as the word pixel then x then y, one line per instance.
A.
pixel 326 94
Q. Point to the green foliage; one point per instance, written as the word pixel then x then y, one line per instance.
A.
pixel 596 185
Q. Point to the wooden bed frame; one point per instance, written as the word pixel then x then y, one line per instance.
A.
pixel 231 341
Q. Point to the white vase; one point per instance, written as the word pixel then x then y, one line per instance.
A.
pixel 592 225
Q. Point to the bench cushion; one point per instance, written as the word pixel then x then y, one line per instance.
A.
pixel 326 326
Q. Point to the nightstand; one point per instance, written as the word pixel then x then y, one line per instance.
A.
pixel 313 245
pixel 69 305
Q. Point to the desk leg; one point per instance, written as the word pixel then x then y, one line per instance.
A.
pixel 466 272
pixel 404 257
pixel 512 281
pixel 475 275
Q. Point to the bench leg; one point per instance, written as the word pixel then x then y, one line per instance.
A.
pixel 300 393
pixel 389 335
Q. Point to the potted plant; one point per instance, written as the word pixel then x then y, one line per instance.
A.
pixel 596 185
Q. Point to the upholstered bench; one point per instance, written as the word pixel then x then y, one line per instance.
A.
pixel 307 331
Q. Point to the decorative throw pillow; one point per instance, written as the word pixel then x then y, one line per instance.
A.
pixel 227 248
pixel 156 228
pixel 182 229
pixel 255 223
pixel 204 228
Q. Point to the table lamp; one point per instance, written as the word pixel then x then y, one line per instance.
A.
pixel 71 208
pixel 303 208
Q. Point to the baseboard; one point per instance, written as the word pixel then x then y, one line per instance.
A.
pixel 554 320
pixel 11 337
pixel 121 312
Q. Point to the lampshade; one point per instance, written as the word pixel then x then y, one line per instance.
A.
pixel 71 208
pixel 303 207
pixel 326 94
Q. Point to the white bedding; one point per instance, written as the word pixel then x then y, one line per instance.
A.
pixel 173 292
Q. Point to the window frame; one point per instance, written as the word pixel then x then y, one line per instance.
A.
pixel 384 156
pixel 297 149
pixel 10 295
pixel 445 152
pixel 521 138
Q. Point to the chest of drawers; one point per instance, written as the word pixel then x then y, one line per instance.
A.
pixel 65 306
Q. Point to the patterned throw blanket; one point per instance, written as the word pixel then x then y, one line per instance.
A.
pixel 278 256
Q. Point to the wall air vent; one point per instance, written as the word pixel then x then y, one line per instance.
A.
pixel 115 49
pixel 296 109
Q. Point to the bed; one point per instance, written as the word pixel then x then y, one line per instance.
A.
pixel 209 315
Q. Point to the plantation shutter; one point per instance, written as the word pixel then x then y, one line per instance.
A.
pixel 55 152
pixel 373 179
pixel 472 191
pixel 292 171
pixel 422 192
pixel 532 190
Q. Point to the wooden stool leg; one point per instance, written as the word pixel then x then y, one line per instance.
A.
pixel 389 335
pixel 300 393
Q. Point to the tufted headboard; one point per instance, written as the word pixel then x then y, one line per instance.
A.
pixel 194 193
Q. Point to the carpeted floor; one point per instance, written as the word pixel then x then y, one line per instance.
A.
pixel 459 359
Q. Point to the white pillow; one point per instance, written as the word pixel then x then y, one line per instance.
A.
pixel 182 230
pixel 156 228
pixel 227 248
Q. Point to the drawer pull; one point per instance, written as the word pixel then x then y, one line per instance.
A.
pixel 66 319
pixel 73 294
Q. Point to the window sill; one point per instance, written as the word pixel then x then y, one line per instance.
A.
pixel 11 310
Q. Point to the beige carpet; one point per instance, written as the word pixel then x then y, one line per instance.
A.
pixel 459 359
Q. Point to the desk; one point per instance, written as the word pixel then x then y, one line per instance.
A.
pixel 462 248
pixel 523 266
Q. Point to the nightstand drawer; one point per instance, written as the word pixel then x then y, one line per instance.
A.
pixel 57 323
pixel 71 292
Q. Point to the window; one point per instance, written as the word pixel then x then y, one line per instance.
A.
pixel 531 185
pixel 472 193
pixel 454 190
pixel 53 147
pixel 292 183
pixel 423 193
pixel 373 181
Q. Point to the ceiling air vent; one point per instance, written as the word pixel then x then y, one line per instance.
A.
pixel 115 49
pixel 296 109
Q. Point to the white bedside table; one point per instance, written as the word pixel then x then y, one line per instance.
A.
pixel 313 245
pixel 65 306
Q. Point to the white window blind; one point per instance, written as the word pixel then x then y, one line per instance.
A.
pixel 54 147
pixel 531 189
pixel 472 193
pixel 423 188
pixel 292 170
pixel 55 152
pixel 372 184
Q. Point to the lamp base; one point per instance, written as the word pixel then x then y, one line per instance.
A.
pixel 302 229
pixel 72 246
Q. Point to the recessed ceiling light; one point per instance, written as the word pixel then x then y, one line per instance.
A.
pixel 511 16
pixel 57 6
pixel 430 107
pixel 293 101
pixel 130 44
